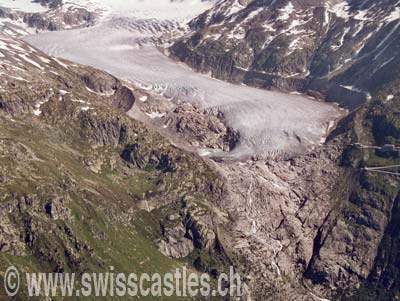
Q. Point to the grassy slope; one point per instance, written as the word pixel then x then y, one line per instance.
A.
pixel 74 203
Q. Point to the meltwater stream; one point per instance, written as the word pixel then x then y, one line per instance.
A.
pixel 269 122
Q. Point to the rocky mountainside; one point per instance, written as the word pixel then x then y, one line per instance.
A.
pixel 342 49
pixel 47 15
pixel 84 186
pixel 80 180
pixel 22 18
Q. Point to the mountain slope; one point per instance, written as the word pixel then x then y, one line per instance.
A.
pixel 339 48
pixel 317 224
pixel 78 177
pixel 343 51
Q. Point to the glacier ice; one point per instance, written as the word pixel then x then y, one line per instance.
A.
pixel 270 123
pixel 23 5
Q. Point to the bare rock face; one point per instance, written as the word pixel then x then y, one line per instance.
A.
pixel 202 236
pixel 311 226
pixel 202 129
pixel 40 22
pixel 296 45
pixel 50 3
pixel 142 157
pixel 200 225
pixel 57 17
pixel 58 209
pixel 100 82
pixel 106 85
pixel 9 239
pixel 123 99
pixel 187 230
pixel 174 243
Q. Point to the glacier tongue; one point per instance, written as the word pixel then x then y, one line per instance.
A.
pixel 270 123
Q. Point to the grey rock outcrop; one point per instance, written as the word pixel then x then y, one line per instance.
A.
pixel 297 45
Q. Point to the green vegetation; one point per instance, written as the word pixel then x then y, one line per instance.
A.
pixel 76 204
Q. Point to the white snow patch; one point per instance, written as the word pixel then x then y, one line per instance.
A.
pixel 37 110
pixel 30 61
pixel 295 45
pixel 351 88
pixel 79 100
pixel 341 10
pixel 44 60
pixel 286 12
pixel 253 14
pixel 3 45
pixel 154 115
pixel 394 15
pixel 234 8
pixel 341 39
pixel 84 109
pixel 16 47
pixel 19 78
pixel 204 152
pixel 268 26
pixel 361 15
pixel 143 98
pixel 99 93
pixel 60 63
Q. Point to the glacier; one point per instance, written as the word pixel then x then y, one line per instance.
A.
pixel 23 5
pixel 123 43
